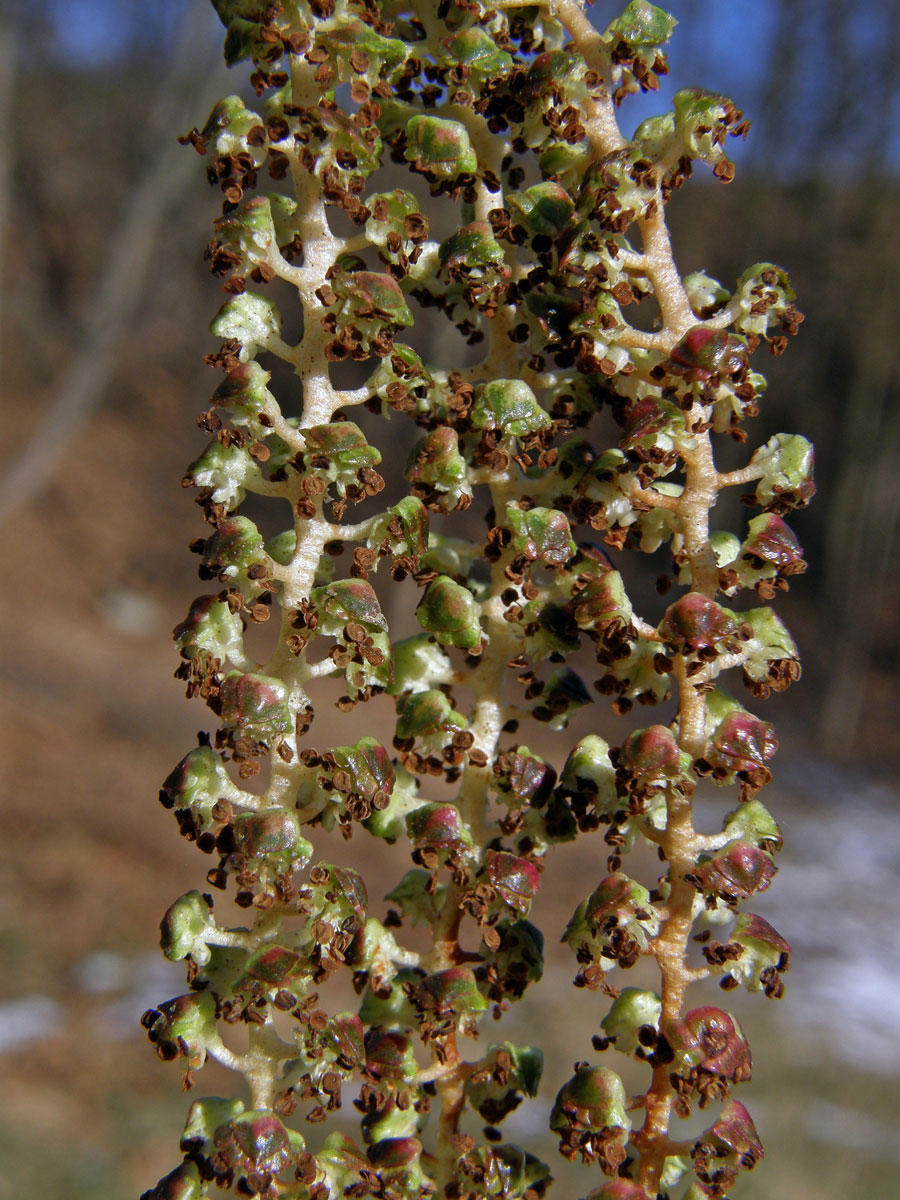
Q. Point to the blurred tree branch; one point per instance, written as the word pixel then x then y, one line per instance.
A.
pixel 8 43
pixel 186 87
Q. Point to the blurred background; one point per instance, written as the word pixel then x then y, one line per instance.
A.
pixel 104 300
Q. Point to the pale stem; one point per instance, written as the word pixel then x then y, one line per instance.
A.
pixel 280 425
pixel 266 1049
pixel 320 400
pixel 241 661
pixel 742 475
pixel 354 533
pixel 726 316
pixel 679 839
pixel 652 498
pixel 353 397
pixel 638 339
pixel 310 811
pixel 282 349
pixel 491 712
pixel 217 1049
pixel 245 939
pixel 645 630
pixel 602 127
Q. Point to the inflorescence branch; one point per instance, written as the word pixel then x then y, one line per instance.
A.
pixel 506 112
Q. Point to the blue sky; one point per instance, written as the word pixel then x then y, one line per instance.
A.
pixel 95 31
pixel 723 44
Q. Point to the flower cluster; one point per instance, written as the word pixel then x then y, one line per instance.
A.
pixel 500 121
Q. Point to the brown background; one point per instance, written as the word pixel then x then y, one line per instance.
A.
pixel 103 309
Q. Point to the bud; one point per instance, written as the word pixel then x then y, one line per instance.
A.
pixel 438 827
pixel 440 149
pixel 696 623
pixel 541 534
pixel 614 924
pixel 435 467
pixel 546 208
pixel 709 1048
pixel 181 1184
pixel 788 479
pixel 249 319
pixel 503 1076
pixel 451 613
pixel 183 927
pixel 590 1117
pixel 509 406
pixel 255 704
pixel 736 872
pixel 634 1015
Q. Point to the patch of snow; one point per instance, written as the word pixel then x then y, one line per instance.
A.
pixel 101 972
pixel 28 1019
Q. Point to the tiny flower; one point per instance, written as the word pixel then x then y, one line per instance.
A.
pixel 590 1116
pixel 742 742
pixel 437 826
pixel 397 1162
pixel 472 251
pixel 633 1019
pixel 272 835
pixel 709 354
pixel 545 208
pixel 210 628
pixel 272 968
pixel 763 955
pixel 766 298
pixel 505 1074
pixel 428 717
pixel 650 760
pixel 703 120
pixel 709 1048
pixel 341 1162
pixel 696 623
pixel 449 993
pixel 618 1189
pixel 389 1055
pixel 439 148
pixel 181 1184
pixel 249 319
pixel 183 927
pixel 338 452
pixel 788 479
pixel 345 602
pixel 183 1026
pixel 256 1141
pixel 541 534
pixel 603 604
pixel 753 822
pixel 255 703
pixel 655 431
pixel 510 406
pixel 588 772
pixel 438 472
pixel 614 924
pixel 450 612
pixel 476 50
pixel 731 1142
pixel 736 872
pixel 516 880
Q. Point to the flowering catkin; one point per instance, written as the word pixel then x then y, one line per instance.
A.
pixel 577 435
